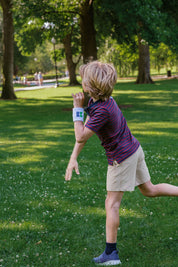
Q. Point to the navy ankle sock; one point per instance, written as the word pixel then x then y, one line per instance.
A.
pixel 110 247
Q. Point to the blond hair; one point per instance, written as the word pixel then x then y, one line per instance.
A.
pixel 99 79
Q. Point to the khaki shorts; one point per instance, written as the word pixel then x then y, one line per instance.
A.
pixel 129 173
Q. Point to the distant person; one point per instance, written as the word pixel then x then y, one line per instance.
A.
pixel 25 79
pixel 40 78
pixel 36 77
pixel 67 73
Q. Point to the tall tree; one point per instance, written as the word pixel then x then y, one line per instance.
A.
pixel 142 18
pixel 8 50
pixel 88 32
pixel 43 20
pixel 66 19
pixel 143 63
pixel 71 65
pixel 1 47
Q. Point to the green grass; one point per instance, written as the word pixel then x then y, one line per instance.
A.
pixel 45 221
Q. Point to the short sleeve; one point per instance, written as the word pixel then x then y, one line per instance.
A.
pixel 98 120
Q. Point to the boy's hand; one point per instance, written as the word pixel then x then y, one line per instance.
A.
pixel 73 165
pixel 78 100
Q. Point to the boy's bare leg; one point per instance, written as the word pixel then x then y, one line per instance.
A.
pixel 150 190
pixel 112 205
pixel 110 255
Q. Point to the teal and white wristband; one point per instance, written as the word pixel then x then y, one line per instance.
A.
pixel 78 114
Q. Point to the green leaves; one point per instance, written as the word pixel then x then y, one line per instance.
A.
pixel 29 37
pixel 36 21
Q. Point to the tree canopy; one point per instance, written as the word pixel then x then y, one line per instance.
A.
pixel 84 25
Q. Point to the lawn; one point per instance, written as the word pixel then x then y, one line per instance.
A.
pixel 45 221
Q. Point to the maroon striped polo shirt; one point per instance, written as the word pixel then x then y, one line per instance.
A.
pixel 108 122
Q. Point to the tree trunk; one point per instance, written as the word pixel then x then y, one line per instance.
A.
pixel 88 33
pixel 1 46
pixel 143 63
pixel 8 50
pixel 70 64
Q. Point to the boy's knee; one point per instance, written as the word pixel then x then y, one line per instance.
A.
pixel 149 194
pixel 148 190
pixel 112 202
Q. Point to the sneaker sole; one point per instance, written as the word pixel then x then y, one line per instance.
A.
pixel 112 262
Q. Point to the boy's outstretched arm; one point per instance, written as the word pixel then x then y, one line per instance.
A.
pixel 85 133
pixel 82 134
pixel 73 164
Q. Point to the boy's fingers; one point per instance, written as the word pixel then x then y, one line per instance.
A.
pixel 80 95
pixel 77 170
pixel 68 175
pixel 69 170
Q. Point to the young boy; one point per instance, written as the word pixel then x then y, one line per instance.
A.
pixel 126 163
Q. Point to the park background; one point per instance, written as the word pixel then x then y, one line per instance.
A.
pixel 45 221
pixel 55 37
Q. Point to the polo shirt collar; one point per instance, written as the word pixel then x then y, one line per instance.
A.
pixel 91 106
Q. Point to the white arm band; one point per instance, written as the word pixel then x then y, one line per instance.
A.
pixel 78 114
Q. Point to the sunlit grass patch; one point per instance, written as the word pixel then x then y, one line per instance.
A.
pixel 51 93
pixel 16 226
pixel 166 129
